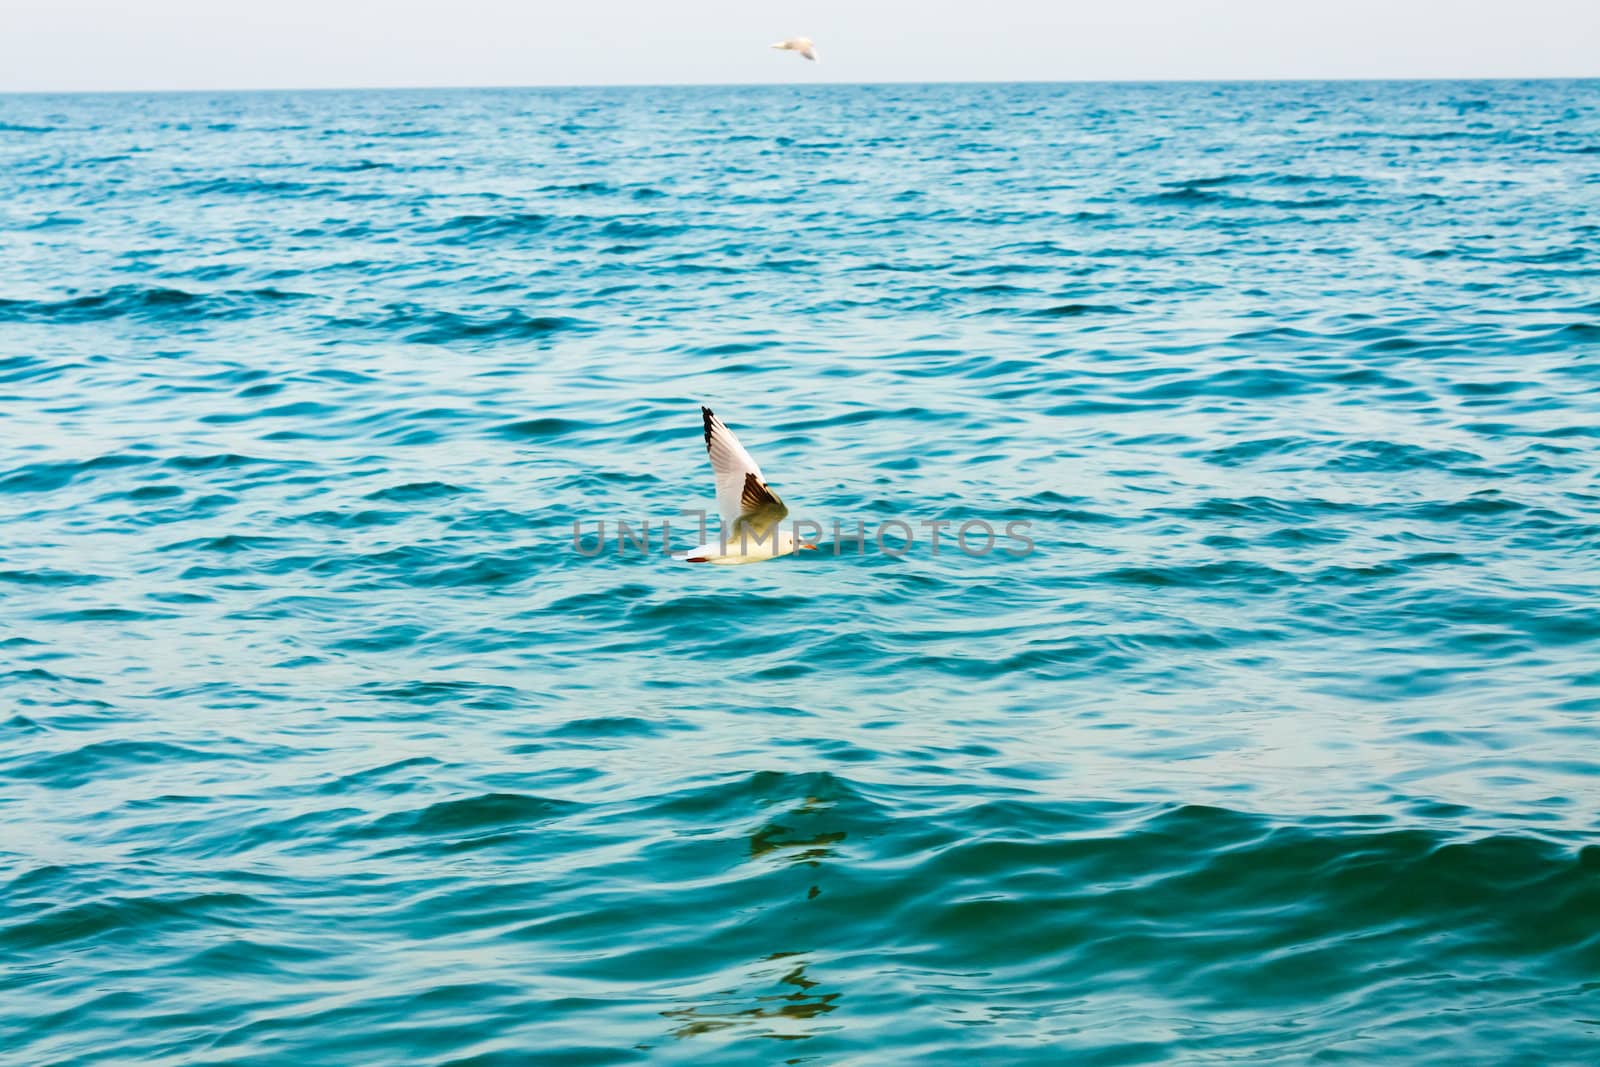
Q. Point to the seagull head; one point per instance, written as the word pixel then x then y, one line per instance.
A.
pixel 789 542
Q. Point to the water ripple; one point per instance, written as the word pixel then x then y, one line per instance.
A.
pixel 322 741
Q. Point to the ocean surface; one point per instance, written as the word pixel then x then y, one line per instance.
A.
pixel 322 743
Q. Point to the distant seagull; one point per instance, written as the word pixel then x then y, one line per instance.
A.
pixel 752 514
pixel 802 45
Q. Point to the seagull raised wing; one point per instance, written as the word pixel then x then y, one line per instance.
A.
pixel 744 499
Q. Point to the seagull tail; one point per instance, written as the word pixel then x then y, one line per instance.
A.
pixel 781 44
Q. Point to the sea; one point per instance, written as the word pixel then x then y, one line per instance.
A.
pixel 338 724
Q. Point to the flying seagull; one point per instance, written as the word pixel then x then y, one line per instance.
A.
pixel 752 514
pixel 802 45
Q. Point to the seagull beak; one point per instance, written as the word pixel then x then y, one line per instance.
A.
pixel 803 548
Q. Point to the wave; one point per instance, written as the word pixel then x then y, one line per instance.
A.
pixel 1196 195
pixel 1084 899
pixel 424 326
pixel 49 577
pixel 145 303
pixel 467 229
pixel 97 760
pixel 47 476
pixel 477 814
pixel 120 920
pixel 264 188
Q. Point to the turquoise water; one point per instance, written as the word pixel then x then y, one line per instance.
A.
pixel 321 744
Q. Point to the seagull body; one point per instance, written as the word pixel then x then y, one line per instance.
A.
pixel 802 45
pixel 752 514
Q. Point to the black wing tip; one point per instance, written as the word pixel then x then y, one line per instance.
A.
pixel 708 417
pixel 757 493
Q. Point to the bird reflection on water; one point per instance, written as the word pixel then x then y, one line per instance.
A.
pixel 792 998
pixel 773 837
pixel 780 1010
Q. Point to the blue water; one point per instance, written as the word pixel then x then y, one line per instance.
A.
pixel 320 743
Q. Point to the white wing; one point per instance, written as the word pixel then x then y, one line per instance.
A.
pixel 742 494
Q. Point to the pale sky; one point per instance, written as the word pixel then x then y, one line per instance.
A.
pixel 229 44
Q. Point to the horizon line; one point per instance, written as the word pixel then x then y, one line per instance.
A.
pixel 1246 80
